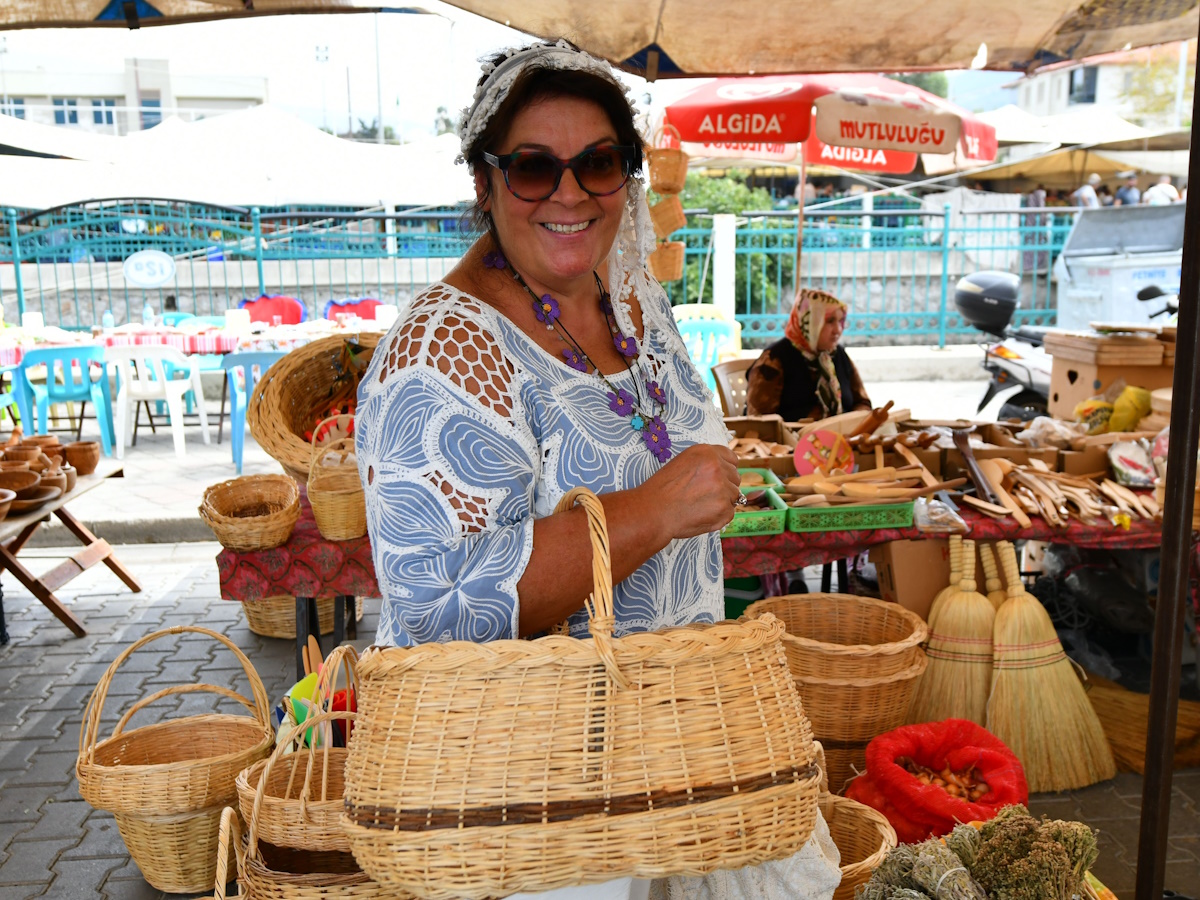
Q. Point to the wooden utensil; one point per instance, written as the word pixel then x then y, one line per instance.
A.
pixel 876 418
pixel 983 486
pixel 990 472
pixel 911 458
pixel 988 509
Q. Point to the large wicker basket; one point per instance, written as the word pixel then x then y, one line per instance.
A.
pixel 666 262
pixel 275 617
pixel 480 770
pixel 286 399
pixel 856 661
pixel 167 783
pixel 335 490
pixel 252 512
pixel 863 838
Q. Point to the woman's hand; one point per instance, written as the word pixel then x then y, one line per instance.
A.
pixel 695 493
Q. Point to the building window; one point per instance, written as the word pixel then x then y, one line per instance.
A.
pixel 151 112
pixel 65 112
pixel 15 107
pixel 102 112
pixel 1082 86
pixel 1041 91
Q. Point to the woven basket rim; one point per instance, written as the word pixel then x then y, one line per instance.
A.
pixel 721 638
pixel 918 635
pixel 913 671
pixel 207 720
pixel 215 492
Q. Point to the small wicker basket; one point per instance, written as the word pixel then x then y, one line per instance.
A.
pixel 863 838
pixel 667 216
pixel 666 263
pixel 335 491
pixel 668 165
pixel 275 617
pixel 252 512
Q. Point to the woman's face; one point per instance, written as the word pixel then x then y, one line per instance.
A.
pixel 566 236
pixel 831 332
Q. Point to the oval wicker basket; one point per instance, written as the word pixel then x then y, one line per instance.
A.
pixel 667 216
pixel 685 750
pixel 668 165
pixel 288 397
pixel 275 617
pixel 335 490
pixel 863 838
pixel 666 262
pixel 856 661
pixel 252 512
pixel 167 783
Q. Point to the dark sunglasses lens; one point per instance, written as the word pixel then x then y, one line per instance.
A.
pixel 602 170
pixel 533 176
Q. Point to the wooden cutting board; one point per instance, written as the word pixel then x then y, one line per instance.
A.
pixel 1160 401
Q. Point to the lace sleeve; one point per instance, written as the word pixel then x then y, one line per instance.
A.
pixel 449 473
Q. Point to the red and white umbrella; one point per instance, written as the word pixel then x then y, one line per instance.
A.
pixel 851 120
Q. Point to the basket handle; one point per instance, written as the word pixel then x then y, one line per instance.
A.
pixel 230 831
pixel 661 139
pixel 341 419
pixel 599 604
pixel 319 452
pixel 343 658
pixel 89 733
pixel 322 719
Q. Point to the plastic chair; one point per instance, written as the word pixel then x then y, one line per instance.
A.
pixel 143 377
pixel 171 319
pixel 687 311
pixel 704 339
pixel 363 307
pixel 14 397
pixel 63 365
pixel 290 310
pixel 730 377
pixel 243 371
pixel 216 321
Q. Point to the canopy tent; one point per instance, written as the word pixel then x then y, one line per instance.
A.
pixel 1069 167
pixel 757 37
pixel 136 13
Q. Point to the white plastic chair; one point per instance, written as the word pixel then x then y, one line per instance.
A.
pixel 685 312
pixel 143 378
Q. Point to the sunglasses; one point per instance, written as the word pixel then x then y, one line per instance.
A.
pixel 535 175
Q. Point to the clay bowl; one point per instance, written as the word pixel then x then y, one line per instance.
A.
pixel 19 482
pixel 14 465
pixel 84 456
pixel 42 440
pixel 41 495
pixel 72 477
pixel 56 454
pixel 27 454
pixel 56 479
pixel 6 499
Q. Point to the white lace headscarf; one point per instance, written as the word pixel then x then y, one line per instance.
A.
pixel 627 272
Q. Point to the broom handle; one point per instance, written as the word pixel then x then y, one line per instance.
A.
pixel 967 578
pixel 1012 572
pixel 989 568
pixel 956 566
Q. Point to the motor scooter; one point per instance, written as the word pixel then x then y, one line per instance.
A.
pixel 1017 362
pixel 1154 292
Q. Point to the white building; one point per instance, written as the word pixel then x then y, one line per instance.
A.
pixel 121 101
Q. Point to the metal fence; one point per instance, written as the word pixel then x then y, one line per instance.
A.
pixel 895 266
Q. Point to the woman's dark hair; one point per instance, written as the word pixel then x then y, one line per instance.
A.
pixel 535 85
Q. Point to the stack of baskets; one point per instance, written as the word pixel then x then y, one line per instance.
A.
pixel 482 770
pixel 668 172
pixel 166 784
pixel 252 512
pixel 856 661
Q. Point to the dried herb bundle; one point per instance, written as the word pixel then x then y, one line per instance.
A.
pixel 941 874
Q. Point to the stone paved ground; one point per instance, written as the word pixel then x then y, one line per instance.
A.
pixel 54 845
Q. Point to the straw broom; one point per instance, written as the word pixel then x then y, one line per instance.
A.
pixel 955 551
pixel 1124 714
pixel 959 674
pixel 1038 706
pixel 995 590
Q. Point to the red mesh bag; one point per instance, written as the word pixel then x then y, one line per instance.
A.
pixel 955 743
pixel 867 792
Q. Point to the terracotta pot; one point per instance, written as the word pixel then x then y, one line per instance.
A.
pixel 72 476
pixel 6 499
pixel 84 456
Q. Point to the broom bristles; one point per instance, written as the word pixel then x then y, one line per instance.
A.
pixel 939 599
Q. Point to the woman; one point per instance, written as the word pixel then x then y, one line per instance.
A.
pixel 806 375
pixel 546 359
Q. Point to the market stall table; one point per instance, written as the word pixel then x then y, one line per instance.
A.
pixel 15 532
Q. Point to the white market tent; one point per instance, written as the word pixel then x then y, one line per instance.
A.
pixel 258 156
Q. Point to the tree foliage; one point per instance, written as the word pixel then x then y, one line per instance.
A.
pixel 1151 90
pixel 934 82
pixel 442 122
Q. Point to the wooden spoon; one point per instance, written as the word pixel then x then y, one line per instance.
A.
pixel 995 478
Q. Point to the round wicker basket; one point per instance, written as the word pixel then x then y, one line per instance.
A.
pixel 287 399
pixel 863 838
pixel 668 165
pixel 335 490
pixel 252 512
pixel 275 617
pixel 666 262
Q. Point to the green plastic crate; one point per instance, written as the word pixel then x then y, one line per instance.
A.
pixel 850 518
pixel 770 479
pixel 759 521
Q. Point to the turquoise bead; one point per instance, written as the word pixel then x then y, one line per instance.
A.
pixel 637 423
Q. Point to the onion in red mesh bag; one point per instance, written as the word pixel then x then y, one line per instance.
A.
pixel 865 791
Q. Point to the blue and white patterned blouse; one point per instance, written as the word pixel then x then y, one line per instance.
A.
pixel 467 431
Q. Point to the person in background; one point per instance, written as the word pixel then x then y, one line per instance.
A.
pixel 807 375
pixel 1106 198
pixel 1128 194
pixel 1161 194
pixel 1086 195
pixel 806 192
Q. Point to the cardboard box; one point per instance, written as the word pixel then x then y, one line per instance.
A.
pixel 955 466
pixel 930 458
pixel 1084 462
pixel 1073 382
pixel 768 428
pixel 912 573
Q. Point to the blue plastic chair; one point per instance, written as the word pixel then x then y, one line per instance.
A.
pixel 705 339
pixel 240 369
pixel 14 396
pixel 172 319
pixel 63 365
pixel 218 321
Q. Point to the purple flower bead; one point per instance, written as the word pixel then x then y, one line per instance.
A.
pixel 656 392
pixel 621 402
pixel 658 442
pixel 657 427
pixel 575 361
pixel 627 346
pixel 494 259
pixel 546 310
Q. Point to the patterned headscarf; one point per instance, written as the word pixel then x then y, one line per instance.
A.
pixel 803 329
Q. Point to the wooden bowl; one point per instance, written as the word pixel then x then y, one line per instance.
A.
pixel 56 479
pixel 41 495
pixel 28 454
pixel 84 456
pixel 19 481
pixel 14 465
pixel 42 440
pixel 6 499
pixel 72 477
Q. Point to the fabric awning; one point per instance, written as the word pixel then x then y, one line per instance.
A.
pixel 139 13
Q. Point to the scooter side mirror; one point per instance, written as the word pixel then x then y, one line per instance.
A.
pixel 1150 292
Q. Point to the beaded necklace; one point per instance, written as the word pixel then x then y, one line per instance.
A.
pixel 645 416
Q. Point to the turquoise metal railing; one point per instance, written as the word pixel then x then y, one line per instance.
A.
pixel 895 265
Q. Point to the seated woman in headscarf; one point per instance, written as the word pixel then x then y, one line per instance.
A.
pixel 806 375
